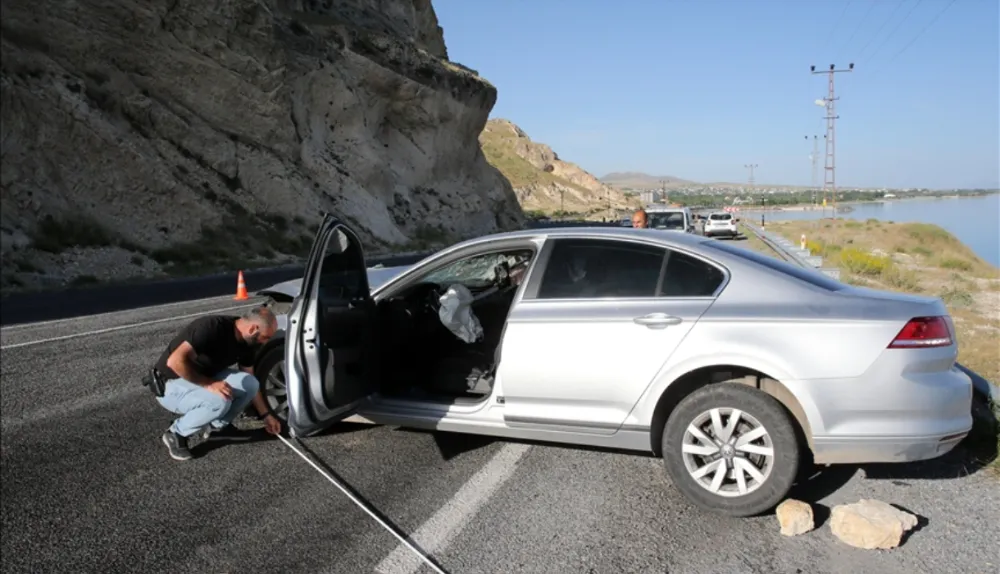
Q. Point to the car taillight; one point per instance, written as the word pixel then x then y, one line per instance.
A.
pixel 923 332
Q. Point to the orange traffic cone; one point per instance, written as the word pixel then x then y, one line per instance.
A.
pixel 241 289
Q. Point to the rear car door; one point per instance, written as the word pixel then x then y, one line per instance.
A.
pixel 597 321
pixel 329 333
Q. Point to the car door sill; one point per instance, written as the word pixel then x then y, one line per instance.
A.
pixel 542 423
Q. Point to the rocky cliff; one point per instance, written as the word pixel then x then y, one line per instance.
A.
pixel 143 136
pixel 543 181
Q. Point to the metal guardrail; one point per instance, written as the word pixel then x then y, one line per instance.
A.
pixel 790 252
pixel 801 257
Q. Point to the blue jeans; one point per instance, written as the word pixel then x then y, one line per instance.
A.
pixel 200 407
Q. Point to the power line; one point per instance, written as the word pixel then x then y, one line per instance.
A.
pixel 920 33
pixel 868 43
pixel 871 6
pixel 894 29
pixel 833 31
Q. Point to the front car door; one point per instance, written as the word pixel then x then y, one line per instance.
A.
pixel 598 320
pixel 329 333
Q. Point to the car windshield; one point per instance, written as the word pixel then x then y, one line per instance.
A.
pixel 666 220
pixel 478 271
pixel 720 217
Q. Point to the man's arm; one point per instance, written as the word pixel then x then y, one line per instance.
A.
pixel 181 361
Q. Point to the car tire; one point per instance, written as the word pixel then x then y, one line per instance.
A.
pixel 270 371
pixel 758 410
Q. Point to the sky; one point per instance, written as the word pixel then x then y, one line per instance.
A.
pixel 698 89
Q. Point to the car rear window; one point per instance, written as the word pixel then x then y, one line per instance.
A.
pixel 814 278
pixel 720 216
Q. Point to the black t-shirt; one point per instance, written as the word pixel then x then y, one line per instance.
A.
pixel 216 343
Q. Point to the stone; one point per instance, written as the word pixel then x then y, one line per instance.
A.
pixel 795 517
pixel 871 524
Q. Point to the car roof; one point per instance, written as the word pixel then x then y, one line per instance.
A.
pixel 659 209
pixel 664 237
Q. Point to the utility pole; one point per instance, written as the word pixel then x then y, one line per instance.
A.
pixel 830 167
pixel 751 167
pixel 814 157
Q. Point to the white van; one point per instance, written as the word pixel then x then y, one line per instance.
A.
pixel 670 219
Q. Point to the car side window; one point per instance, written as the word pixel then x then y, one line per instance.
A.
pixel 595 268
pixel 688 276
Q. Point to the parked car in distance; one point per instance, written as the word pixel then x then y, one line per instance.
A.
pixel 670 218
pixel 728 364
pixel 720 224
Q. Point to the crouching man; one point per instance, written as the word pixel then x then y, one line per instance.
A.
pixel 200 384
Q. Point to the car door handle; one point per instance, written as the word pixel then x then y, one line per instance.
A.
pixel 657 320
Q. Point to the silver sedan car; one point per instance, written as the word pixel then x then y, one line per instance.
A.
pixel 730 365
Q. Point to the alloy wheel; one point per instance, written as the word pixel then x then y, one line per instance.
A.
pixel 728 452
pixel 275 392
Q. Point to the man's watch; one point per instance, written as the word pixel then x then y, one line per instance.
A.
pixel 263 416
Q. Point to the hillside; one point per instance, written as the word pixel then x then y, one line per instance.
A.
pixel 639 180
pixel 156 137
pixel 541 180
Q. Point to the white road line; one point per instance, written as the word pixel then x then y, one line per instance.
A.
pixel 121 327
pixel 435 534
pixel 22 326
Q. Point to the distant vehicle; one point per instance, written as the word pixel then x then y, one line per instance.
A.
pixel 728 364
pixel 720 224
pixel 625 222
pixel 670 219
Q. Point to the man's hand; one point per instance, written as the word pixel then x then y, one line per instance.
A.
pixel 222 389
pixel 272 424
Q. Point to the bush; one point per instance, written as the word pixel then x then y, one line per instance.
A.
pixel 954 263
pixel 956 297
pixel 857 261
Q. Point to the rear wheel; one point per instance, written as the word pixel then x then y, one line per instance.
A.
pixel 731 449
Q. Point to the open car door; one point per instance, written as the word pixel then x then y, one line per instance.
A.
pixel 330 337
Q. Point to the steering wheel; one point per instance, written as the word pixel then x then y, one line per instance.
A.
pixel 432 299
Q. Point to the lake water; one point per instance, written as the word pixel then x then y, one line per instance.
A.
pixel 973 220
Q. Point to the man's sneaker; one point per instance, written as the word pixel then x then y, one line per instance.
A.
pixel 177 446
pixel 228 432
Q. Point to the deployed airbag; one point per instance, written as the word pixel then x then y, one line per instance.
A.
pixel 456 314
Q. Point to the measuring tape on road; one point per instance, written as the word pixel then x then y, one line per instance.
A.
pixel 361 503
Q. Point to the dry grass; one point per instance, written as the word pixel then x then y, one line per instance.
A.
pixel 499 149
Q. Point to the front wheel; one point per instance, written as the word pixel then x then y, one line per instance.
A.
pixel 731 449
pixel 270 371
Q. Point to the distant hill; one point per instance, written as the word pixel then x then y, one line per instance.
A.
pixel 542 181
pixel 638 180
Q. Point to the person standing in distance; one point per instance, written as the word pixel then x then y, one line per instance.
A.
pixel 200 384
pixel 639 219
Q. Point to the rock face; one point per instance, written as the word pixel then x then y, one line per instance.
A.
pixel 795 517
pixel 871 524
pixel 197 131
pixel 541 180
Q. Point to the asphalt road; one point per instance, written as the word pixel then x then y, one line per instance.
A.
pixel 88 487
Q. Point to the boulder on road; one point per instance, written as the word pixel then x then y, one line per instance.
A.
pixel 795 517
pixel 871 524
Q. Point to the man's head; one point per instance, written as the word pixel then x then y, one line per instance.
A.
pixel 639 219
pixel 257 326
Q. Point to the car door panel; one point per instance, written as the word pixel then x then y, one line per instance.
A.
pixel 598 320
pixel 328 333
pixel 585 363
